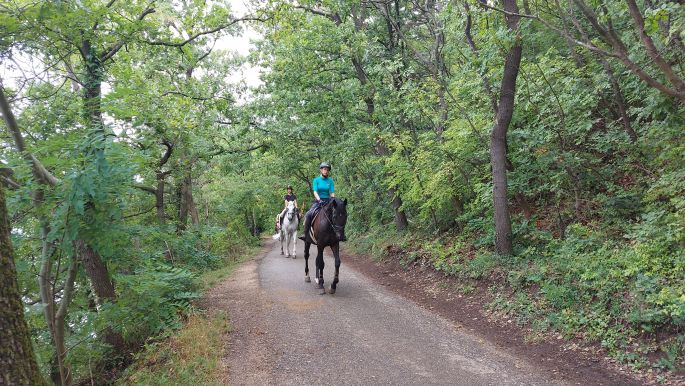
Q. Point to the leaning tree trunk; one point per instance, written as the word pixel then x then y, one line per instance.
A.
pixel 54 317
pixel 498 137
pixel 18 364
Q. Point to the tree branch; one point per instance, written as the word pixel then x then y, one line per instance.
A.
pixel 167 153
pixel 675 80
pixel 145 188
pixel 117 46
pixel 68 290
pixel 620 51
pixel 589 46
pixel 234 151
pixel 202 33
pixel 320 12
pixel 139 213
pixel 197 98
pixel 39 171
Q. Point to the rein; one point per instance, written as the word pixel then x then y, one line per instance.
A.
pixel 336 228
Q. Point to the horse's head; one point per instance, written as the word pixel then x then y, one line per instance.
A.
pixel 339 217
pixel 290 210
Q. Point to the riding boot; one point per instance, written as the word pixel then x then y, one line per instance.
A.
pixel 307 225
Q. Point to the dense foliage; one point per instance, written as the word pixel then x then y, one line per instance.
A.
pixel 401 96
pixel 127 129
pixel 127 177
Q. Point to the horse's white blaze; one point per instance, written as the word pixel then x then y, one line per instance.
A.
pixel 289 230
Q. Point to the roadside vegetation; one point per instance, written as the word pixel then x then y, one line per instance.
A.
pixel 191 354
pixel 533 146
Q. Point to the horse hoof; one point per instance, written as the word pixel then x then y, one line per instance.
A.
pixel 323 292
pixel 331 291
pixel 307 279
pixel 282 253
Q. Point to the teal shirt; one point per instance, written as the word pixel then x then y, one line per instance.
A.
pixel 323 187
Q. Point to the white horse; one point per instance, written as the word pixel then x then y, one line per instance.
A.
pixel 289 230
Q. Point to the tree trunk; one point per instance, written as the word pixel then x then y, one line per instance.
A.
pixel 159 198
pixel 186 202
pixel 60 372
pixel 498 137
pixel 401 222
pixel 95 268
pixel 103 287
pixel 255 231
pixel 18 364
pixel 192 208
pixel 182 207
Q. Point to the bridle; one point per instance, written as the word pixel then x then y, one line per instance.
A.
pixel 336 228
pixel 290 213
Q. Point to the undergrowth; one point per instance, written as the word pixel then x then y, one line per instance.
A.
pixel 627 296
pixel 188 353
pixel 190 356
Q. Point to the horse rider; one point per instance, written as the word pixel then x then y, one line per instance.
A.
pixel 324 189
pixel 290 196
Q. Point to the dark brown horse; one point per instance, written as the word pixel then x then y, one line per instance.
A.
pixel 328 229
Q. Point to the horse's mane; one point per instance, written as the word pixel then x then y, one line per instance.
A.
pixel 337 200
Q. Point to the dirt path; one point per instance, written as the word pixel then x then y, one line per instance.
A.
pixel 285 333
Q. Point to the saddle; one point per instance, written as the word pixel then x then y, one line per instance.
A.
pixel 311 228
pixel 281 218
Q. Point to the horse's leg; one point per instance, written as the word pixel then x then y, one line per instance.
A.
pixel 287 244
pixel 306 262
pixel 319 267
pixel 294 238
pixel 336 253
pixel 291 243
pixel 282 236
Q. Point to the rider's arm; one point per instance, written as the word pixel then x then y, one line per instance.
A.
pixel 295 203
pixel 315 184
pixel 332 189
pixel 285 204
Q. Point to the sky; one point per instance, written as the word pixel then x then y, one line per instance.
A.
pixel 22 66
pixel 242 44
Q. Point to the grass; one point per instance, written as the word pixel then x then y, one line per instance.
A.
pixel 189 357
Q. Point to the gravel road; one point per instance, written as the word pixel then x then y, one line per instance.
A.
pixel 286 333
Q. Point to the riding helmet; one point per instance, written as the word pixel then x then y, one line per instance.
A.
pixel 289 187
pixel 325 165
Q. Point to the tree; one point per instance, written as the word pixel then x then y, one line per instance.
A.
pixel 498 137
pixel 17 362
